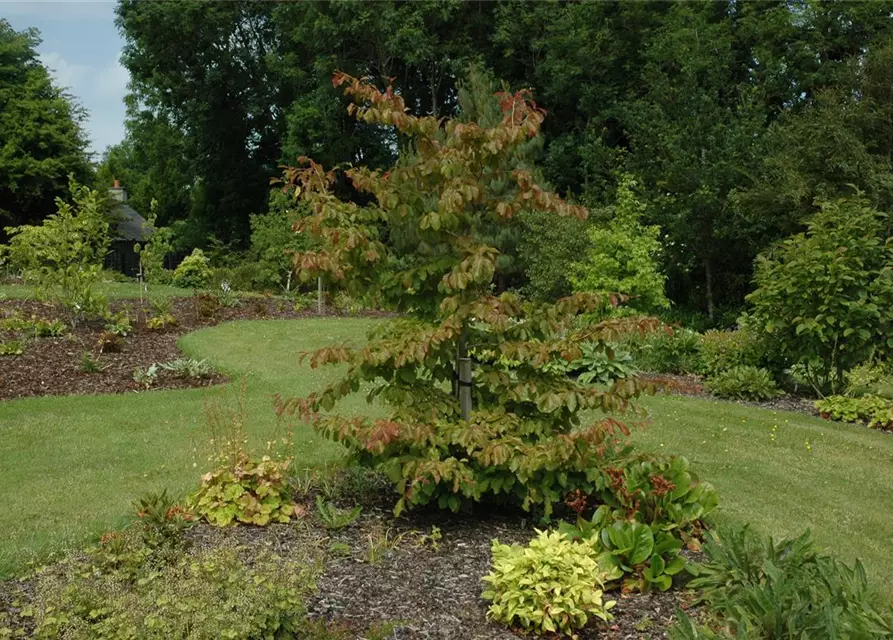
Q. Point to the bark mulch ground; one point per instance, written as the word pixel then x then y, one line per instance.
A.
pixel 417 587
pixel 53 366
pixel 425 589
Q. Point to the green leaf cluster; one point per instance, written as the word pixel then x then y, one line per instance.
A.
pixel 204 594
pixel 874 411
pixel 247 491
pixel 743 382
pixel 652 508
pixel 769 590
pixel 552 585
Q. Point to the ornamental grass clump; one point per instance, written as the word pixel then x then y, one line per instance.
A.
pixel 461 425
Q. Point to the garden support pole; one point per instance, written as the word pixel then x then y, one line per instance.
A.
pixel 464 371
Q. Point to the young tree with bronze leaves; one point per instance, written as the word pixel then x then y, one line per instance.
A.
pixel 475 411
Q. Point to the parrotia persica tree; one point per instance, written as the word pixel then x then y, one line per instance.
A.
pixel 473 410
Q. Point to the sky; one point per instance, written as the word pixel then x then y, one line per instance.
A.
pixel 81 46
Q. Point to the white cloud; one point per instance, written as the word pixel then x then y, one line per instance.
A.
pixel 100 89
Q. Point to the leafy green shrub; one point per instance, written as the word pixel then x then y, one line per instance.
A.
pixel 204 595
pixel 245 276
pixel 624 256
pixel 552 585
pixel 823 297
pixel 743 382
pixel 153 252
pixel 161 305
pixel 872 410
pixel 870 379
pixel 12 348
pixel 771 590
pixel 63 257
pixel 194 272
pixel 547 246
pixel 648 559
pixel 668 351
pixel 206 305
pixel 724 350
pixel 274 242
pixel 659 491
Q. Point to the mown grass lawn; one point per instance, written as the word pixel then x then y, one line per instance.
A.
pixel 111 290
pixel 69 466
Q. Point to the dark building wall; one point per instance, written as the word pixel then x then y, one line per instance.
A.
pixel 123 258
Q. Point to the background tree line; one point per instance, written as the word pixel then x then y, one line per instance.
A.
pixel 729 118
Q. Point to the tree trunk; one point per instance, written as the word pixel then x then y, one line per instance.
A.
pixel 463 381
pixel 708 274
pixel 319 304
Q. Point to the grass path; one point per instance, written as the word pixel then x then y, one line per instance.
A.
pixel 70 466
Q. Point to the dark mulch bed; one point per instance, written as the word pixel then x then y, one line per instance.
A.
pixel 692 385
pixel 435 593
pixel 52 366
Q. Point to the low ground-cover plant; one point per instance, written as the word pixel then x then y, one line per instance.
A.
pixel 162 519
pixel 769 590
pixel 743 382
pixel 90 363
pixel 247 491
pixel 334 518
pixel 158 323
pixel 651 509
pixel 552 585
pixel 48 328
pixel 146 377
pixel 240 488
pixel 872 410
pixel 188 368
pixel 109 342
pixel 12 348
pixel 226 296
pixel 870 379
pixel 204 595
pixel 119 324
